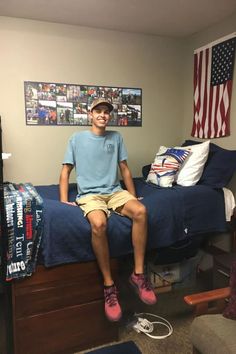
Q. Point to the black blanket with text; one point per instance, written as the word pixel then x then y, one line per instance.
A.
pixel 24 226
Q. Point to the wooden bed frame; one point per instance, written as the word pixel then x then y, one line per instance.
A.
pixel 57 310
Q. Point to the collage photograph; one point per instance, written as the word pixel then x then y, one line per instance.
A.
pixel 69 104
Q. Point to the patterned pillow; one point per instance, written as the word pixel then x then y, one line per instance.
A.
pixel 230 310
pixel 165 166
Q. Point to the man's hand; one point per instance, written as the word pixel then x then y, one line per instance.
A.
pixel 70 203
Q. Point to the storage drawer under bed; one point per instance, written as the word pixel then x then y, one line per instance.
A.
pixel 60 310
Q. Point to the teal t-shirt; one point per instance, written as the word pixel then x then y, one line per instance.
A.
pixel 96 159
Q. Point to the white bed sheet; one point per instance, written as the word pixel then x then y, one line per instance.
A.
pixel 229 203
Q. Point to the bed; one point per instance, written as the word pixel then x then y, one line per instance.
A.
pixel 174 214
pixel 59 309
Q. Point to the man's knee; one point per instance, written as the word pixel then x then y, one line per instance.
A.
pixel 140 212
pixel 99 226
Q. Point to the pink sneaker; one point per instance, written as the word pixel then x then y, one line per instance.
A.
pixel 143 288
pixel 112 307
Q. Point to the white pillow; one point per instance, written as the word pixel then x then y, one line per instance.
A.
pixel 191 170
pixel 165 166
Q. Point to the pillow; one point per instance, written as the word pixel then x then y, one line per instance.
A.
pixel 230 310
pixel 192 169
pixel 165 166
pixel 220 169
pixel 191 142
pixel 220 166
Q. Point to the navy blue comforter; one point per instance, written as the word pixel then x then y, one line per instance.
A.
pixel 174 214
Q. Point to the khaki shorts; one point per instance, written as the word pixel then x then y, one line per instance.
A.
pixel 105 202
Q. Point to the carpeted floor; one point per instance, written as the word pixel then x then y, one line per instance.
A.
pixel 171 306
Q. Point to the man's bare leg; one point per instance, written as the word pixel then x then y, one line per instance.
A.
pixel 98 222
pixel 137 212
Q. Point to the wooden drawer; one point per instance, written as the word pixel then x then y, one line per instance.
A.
pixel 55 288
pixel 64 331
pixel 60 310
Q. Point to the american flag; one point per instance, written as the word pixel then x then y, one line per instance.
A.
pixel 213 75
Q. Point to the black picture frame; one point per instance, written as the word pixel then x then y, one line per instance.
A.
pixel 59 104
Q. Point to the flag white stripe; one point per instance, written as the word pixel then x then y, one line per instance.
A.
pixel 213 112
pixel 226 106
pixel 226 98
pixel 218 115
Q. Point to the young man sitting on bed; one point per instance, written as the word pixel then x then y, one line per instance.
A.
pixel 96 155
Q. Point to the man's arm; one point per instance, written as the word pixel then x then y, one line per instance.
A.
pixel 127 177
pixel 64 182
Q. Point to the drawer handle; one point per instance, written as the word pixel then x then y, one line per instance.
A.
pixel 222 272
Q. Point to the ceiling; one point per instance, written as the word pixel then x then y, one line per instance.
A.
pixel 174 18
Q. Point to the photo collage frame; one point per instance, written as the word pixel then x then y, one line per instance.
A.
pixel 56 104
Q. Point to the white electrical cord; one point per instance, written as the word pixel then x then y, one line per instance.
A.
pixel 144 326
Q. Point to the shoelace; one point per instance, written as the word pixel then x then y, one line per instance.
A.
pixel 144 283
pixel 111 296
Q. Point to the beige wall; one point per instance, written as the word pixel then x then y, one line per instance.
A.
pixel 37 51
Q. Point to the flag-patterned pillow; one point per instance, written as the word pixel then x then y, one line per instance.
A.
pixel 165 166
